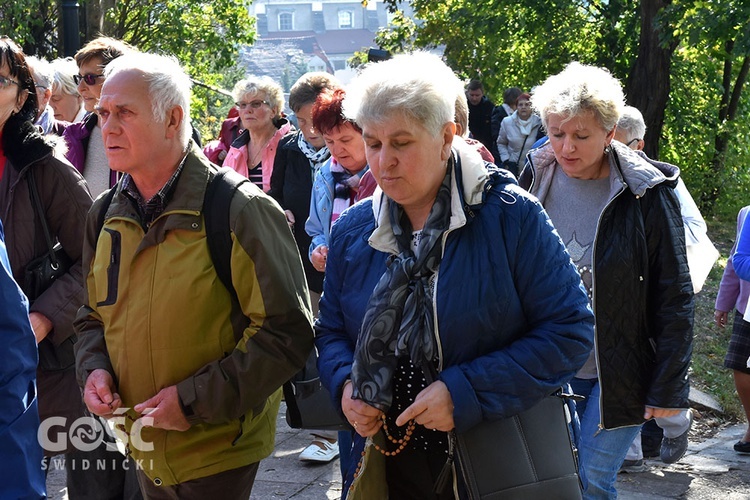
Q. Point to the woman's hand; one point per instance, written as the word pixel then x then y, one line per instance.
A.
pixel 318 257
pixel 364 418
pixel 720 318
pixel 290 219
pixel 40 324
pixel 652 412
pixel 432 408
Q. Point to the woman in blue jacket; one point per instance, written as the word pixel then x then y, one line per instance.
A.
pixel 20 452
pixel 450 272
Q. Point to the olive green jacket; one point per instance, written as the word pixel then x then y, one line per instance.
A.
pixel 156 314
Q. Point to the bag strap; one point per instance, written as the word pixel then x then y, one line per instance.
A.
pixel 216 203
pixel 523 146
pixel 39 210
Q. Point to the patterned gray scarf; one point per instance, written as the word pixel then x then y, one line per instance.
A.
pixel 316 158
pixel 399 315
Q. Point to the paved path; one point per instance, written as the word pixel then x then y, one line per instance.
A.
pixel 711 470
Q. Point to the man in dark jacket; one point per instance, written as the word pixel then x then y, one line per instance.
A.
pixel 480 117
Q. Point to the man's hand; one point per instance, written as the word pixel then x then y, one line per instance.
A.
pixel 163 411
pixel 364 418
pixel 318 257
pixel 652 412
pixel 40 324
pixel 99 393
pixel 432 408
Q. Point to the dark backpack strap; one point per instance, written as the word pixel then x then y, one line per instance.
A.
pixel 103 212
pixel 216 204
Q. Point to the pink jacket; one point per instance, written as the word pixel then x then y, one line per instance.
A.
pixel 237 156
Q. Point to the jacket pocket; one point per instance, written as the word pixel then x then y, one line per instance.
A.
pixel 113 269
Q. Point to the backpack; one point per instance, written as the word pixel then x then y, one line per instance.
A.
pixel 216 204
pixel 309 404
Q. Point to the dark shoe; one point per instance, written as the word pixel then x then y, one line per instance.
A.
pixel 673 449
pixel 632 466
pixel 742 446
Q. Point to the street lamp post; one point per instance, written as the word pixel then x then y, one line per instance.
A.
pixel 71 36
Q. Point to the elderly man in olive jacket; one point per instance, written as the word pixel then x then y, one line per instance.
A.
pixel 195 380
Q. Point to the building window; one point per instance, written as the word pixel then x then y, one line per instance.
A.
pixel 346 19
pixel 286 21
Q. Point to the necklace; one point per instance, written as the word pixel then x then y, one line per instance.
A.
pixel 257 156
pixel 402 442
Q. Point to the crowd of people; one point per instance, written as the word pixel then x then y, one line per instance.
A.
pixel 451 263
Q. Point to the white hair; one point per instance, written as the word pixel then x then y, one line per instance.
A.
pixel 168 84
pixel 41 70
pixel 64 70
pixel 632 124
pixel 420 86
pixel 580 89
pixel 261 85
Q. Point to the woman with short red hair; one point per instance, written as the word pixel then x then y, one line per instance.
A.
pixel 336 185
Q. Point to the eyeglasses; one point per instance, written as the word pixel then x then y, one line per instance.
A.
pixel 253 104
pixel 6 82
pixel 89 78
pixel 631 141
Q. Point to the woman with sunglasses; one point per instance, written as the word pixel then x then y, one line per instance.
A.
pixel 28 160
pixel 84 139
pixel 260 101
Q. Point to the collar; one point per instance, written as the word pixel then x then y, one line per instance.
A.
pixel 468 182
pixel 150 209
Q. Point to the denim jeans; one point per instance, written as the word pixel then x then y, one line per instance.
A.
pixel 600 451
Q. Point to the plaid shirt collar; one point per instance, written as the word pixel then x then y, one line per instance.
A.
pixel 149 210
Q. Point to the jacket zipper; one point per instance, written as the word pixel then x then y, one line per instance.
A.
pixel 593 302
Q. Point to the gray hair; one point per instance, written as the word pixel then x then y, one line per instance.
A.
pixel 64 70
pixel 632 124
pixel 168 84
pixel 580 89
pixel 461 116
pixel 42 71
pixel 419 86
pixel 261 85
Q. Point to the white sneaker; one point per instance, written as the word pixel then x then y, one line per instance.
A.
pixel 320 450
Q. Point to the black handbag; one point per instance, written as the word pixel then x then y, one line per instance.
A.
pixel 308 402
pixel 528 456
pixel 42 271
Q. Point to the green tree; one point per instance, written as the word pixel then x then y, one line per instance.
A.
pixel 204 35
pixel 684 64
pixel 33 25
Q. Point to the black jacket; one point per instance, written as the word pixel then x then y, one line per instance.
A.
pixel 642 292
pixel 291 186
pixel 480 124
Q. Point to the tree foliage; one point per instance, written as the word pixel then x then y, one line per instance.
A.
pixel 205 36
pixel 32 24
pixel 684 63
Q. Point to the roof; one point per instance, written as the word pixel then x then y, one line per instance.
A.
pixel 332 42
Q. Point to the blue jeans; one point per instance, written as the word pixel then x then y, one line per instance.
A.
pixel 600 451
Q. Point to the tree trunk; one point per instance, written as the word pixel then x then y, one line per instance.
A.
pixel 648 85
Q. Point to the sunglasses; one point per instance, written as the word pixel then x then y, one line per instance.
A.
pixel 89 78
pixel 6 82
pixel 252 104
